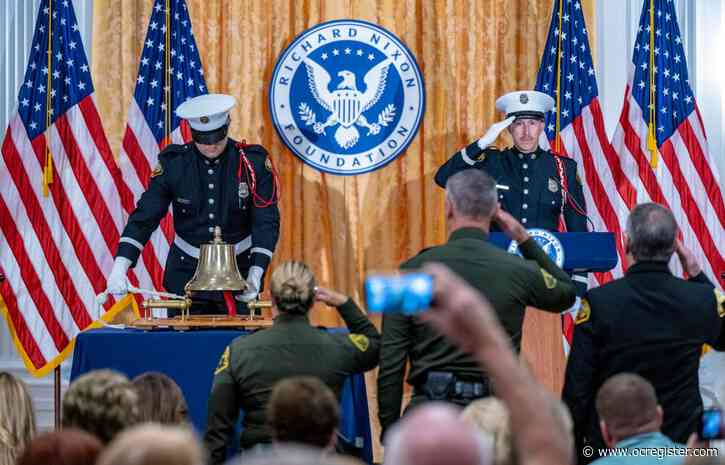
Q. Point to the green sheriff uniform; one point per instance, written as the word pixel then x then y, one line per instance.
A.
pixel 509 282
pixel 251 365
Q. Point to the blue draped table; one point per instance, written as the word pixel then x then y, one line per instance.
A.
pixel 189 358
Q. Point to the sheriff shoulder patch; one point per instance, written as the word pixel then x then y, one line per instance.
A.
pixel 578 179
pixel 584 312
pixel 268 164
pixel 158 170
pixel 223 362
pixel 720 303
pixel 549 280
pixel 360 341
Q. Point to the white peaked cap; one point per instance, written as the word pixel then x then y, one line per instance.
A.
pixel 523 103
pixel 206 112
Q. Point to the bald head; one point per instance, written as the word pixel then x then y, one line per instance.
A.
pixel 627 404
pixel 152 444
pixel 431 435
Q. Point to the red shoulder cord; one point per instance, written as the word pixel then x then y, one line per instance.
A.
pixel 565 198
pixel 249 176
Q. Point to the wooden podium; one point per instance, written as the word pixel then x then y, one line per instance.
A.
pixel 542 349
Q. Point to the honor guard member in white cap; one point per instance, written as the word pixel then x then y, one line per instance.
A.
pixel 212 181
pixel 538 187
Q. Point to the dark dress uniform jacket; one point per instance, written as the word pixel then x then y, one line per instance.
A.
pixel 251 365
pixel 651 323
pixel 204 193
pixel 509 282
pixel 535 186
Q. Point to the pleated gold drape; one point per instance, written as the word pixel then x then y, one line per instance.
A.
pixel 470 52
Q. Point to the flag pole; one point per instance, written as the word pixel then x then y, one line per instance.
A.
pixel 48 169
pixel 651 138
pixel 167 71
pixel 557 138
pixel 56 396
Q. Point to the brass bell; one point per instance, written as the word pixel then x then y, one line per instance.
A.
pixel 217 268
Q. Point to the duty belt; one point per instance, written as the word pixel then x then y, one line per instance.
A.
pixel 444 385
pixel 240 247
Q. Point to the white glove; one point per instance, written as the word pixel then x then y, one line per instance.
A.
pixel 254 280
pixel 117 283
pixel 493 132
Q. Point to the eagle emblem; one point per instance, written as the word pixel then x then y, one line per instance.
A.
pixel 346 103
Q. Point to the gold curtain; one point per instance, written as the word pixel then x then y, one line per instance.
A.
pixel 470 52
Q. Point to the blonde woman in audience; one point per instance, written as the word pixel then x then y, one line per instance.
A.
pixel 490 416
pixel 17 419
pixel 160 399
pixel 101 402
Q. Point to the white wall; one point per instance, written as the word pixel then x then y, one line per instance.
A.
pixel 701 24
pixel 17 24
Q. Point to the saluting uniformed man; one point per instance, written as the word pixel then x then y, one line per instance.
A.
pixel 438 369
pixel 648 322
pixel 538 187
pixel 212 181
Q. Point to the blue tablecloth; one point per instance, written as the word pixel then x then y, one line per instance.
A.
pixel 189 358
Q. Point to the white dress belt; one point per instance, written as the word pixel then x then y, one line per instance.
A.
pixel 241 246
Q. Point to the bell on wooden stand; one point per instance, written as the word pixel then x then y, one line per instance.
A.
pixel 216 271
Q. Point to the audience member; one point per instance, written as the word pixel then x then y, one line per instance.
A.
pixel 154 444
pixel 303 410
pixel 160 399
pixel 434 434
pixel 438 369
pixel 467 319
pixel 17 418
pixel 101 402
pixel 251 365
pixel 65 447
pixel 630 418
pixel 491 417
pixel 293 454
pixel 648 322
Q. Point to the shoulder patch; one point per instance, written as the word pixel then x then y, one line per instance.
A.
pixel 584 312
pixel 223 362
pixel 549 280
pixel 578 179
pixel 158 170
pixel 720 302
pixel 360 342
pixel 268 164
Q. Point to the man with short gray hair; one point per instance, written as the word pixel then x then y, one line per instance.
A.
pixel 648 322
pixel 438 369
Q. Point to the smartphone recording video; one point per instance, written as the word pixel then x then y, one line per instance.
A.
pixel 711 425
pixel 407 293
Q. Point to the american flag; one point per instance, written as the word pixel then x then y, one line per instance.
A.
pixel 567 74
pixel 680 173
pixel 170 72
pixel 55 249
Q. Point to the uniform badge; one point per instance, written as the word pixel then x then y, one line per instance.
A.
pixel 524 99
pixel 223 362
pixel 347 97
pixel 268 164
pixel 360 341
pixel 553 186
pixel 158 170
pixel 584 312
pixel 720 303
pixel 549 280
pixel 204 119
pixel 243 190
